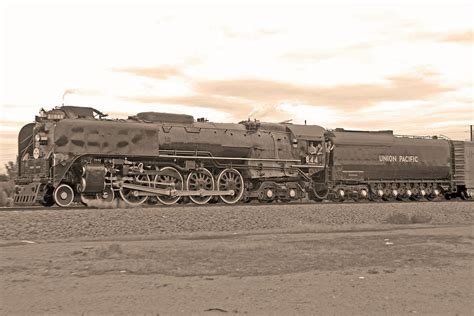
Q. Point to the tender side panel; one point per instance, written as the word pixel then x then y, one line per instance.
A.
pixel 375 157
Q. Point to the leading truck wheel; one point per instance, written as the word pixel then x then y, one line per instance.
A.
pixel 63 195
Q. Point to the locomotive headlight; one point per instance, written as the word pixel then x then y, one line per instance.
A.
pixel 36 153
pixel 41 140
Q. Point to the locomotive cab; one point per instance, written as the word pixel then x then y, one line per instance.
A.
pixel 309 143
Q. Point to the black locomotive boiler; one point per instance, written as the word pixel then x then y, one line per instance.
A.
pixel 76 154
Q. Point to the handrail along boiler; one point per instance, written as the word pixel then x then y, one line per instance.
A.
pixel 76 154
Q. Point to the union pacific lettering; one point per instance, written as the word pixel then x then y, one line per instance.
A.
pixel 393 158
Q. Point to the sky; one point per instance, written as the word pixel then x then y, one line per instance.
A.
pixel 404 66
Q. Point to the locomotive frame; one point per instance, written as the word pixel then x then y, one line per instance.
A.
pixel 75 154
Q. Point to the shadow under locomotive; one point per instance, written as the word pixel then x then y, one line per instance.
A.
pixel 75 154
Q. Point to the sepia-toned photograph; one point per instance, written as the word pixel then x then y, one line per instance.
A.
pixel 236 158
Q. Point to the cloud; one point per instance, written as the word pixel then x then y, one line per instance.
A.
pixel 406 87
pixel 249 35
pixel 459 37
pixel 163 72
pixel 262 99
pixel 225 104
pixel 330 53
pixel 430 119
pixel 237 108
pixel 11 126
pixel 8 148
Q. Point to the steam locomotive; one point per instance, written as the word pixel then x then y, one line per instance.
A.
pixel 76 154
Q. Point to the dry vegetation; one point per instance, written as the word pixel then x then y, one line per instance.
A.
pixel 7 188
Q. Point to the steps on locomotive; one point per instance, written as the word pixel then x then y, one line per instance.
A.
pixel 459 161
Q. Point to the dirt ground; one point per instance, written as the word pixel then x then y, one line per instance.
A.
pixel 304 268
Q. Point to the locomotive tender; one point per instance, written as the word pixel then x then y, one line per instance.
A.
pixel 75 154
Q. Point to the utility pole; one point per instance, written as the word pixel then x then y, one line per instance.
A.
pixel 471 132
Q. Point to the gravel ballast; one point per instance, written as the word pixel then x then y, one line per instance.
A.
pixel 53 224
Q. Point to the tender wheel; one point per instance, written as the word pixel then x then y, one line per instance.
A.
pixel 415 192
pixel 230 179
pixel 375 194
pixel 421 195
pixel 172 176
pixel 363 194
pixel 388 195
pixel 200 180
pixel 465 195
pixel 132 197
pixel 339 195
pixel 63 195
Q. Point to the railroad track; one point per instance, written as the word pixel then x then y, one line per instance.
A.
pixel 82 207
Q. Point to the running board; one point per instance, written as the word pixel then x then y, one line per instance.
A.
pixel 173 193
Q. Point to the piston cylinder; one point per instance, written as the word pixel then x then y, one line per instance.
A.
pixel 93 178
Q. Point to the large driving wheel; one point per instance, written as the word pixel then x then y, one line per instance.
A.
pixel 169 175
pixel 133 197
pixel 63 195
pixel 230 179
pixel 200 180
